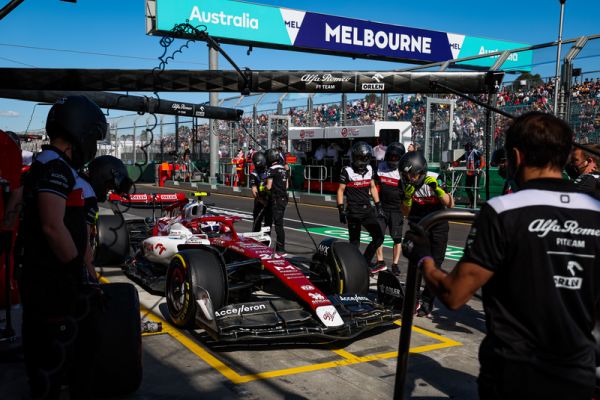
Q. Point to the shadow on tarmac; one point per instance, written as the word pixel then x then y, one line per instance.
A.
pixel 452 321
pixel 452 383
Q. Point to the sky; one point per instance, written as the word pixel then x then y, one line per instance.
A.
pixel 112 34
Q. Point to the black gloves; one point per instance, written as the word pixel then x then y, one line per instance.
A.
pixel 379 210
pixel 415 245
pixel 343 215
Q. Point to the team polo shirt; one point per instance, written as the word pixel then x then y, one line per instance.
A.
pixel 279 176
pixel 52 173
pixel 390 187
pixel 90 202
pixel 357 186
pixel 543 244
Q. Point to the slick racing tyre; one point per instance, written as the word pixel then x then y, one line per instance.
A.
pixel 189 271
pixel 112 241
pixel 118 360
pixel 343 266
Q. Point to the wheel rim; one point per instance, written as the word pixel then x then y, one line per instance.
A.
pixel 177 290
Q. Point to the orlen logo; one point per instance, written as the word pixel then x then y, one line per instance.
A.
pixel 302 134
pixel 344 132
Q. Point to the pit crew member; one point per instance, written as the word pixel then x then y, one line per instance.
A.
pixel 263 210
pixel 277 185
pixel 423 196
pixel 534 253
pixel 583 168
pixel 58 333
pixel 358 185
pixel 391 196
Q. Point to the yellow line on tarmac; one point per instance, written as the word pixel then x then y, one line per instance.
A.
pixel 194 347
pixel 347 357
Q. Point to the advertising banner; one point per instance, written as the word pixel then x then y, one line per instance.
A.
pixel 273 27
pixel 305 133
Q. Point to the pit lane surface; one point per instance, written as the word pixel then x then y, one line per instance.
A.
pixel 185 364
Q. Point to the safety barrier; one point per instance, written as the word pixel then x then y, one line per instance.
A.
pixel 315 173
pixel 457 174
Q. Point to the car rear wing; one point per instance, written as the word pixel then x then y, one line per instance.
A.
pixel 163 200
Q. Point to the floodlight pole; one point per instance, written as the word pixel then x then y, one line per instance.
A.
pixel 558 48
pixel 213 64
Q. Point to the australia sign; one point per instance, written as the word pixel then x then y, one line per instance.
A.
pixel 251 24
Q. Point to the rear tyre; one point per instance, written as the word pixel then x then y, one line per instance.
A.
pixel 112 241
pixel 118 360
pixel 188 270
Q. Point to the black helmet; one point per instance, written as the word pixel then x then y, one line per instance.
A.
pixel 361 156
pixel 273 156
pixel 108 173
pixel 393 153
pixel 413 168
pixel 81 122
pixel 259 160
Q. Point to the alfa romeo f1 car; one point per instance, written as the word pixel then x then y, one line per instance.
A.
pixel 236 287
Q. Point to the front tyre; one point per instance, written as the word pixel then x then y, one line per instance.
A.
pixel 188 271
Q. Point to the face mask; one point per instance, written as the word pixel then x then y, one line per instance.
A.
pixel 572 171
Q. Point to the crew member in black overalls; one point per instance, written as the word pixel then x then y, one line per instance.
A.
pixel 105 173
pixel 277 185
pixel 263 210
pixel 357 184
pixel 391 195
pixel 423 196
pixel 57 327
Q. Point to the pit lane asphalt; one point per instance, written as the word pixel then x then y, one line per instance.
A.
pixel 185 365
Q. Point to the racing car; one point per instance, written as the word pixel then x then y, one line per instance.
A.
pixel 236 287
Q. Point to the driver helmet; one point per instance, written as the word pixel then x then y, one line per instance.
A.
pixel 393 153
pixel 79 121
pixel 210 227
pixel 361 156
pixel 413 168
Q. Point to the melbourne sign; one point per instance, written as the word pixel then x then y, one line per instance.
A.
pixel 282 28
